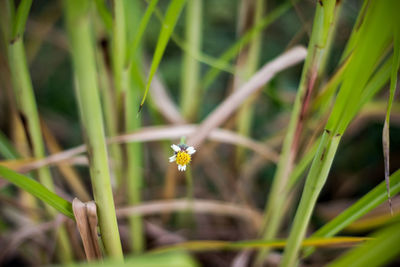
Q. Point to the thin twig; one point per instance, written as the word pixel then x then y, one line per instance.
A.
pixel 155 134
pixel 198 206
pixel 226 108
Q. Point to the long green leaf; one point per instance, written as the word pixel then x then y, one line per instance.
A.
pixel 20 18
pixel 365 59
pixel 104 14
pixel 131 51
pixel 376 252
pixel 199 56
pixel 323 21
pixel 208 245
pixel 171 18
pixel 6 148
pixel 232 51
pixel 38 191
pixel 367 203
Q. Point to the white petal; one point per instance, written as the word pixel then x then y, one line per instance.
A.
pixel 190 150
pixel 183 168
pixel 176 148
pixel 179 167
pixel 172 159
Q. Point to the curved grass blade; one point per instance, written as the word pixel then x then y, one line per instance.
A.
pixel 198 55
pixel 104 15
pixel 373 223
pixel 20 18
pixel 38 191
pixel 7 150
pixel 376 252
pixel 142 27
pixel 171 18
pixel 368 202
pixel 209 245
pixel 362 66
pixel 232 51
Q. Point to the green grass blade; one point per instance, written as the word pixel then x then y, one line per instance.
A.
pixel 201 57
pixel 171 18
pixel 131 51
pixel 362 66
pixel 21 18
pixel 190 94
pixel 323 21
pixel 27 108
pixel 246 65
pixel 376 252
pixel 198 55
pixel 118 48
pixel 376 82
pixel 232 51
pixel 38 190
pixel 209 245
pixel 134 170
pixel 314 183
pixel 131 85
pixel 104 14
pixel 365 58
pixel 367 203
pixel 302 165
pixel 6 148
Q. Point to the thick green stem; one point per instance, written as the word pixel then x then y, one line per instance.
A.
pixel 118 48
pixel 190 94
pixel 110 118
pixel 87 91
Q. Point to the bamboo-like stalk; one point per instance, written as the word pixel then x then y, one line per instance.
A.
pixel 190 89
pixel 324 16
pixel 118 48
pixel 110 117
pixel 26 103
pixel 79 33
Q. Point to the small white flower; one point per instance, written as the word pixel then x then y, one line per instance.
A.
pixel 182 168
pixel 182 155
pixel 172 159
pixel 176 148
pixel 190 150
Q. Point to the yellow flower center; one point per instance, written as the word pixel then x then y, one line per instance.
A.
pixel 182 158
